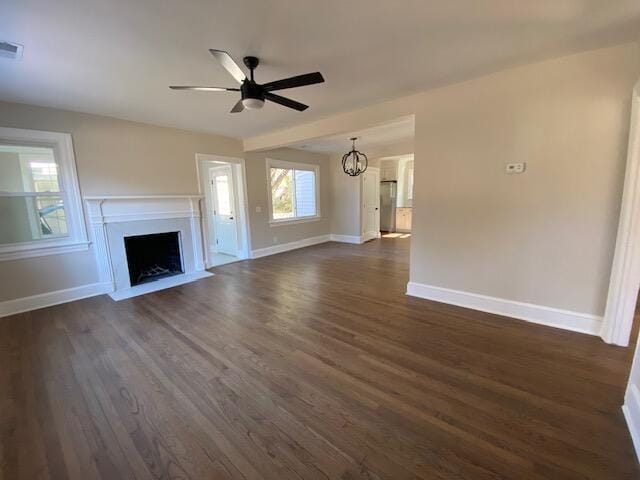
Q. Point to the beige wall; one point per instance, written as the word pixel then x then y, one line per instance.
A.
pixel 386 163
pixel 113 157
pixel 405 147
pixel 544 237
pixel 117 157
pixel 345 190
pixel 345 200
pixel 262 233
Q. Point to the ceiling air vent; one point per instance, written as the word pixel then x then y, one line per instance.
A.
pixel 10 50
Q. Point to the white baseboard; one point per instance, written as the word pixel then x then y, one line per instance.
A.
pixel 631 410
pixel 307 242
pixel 370 236
pixel 285 247
pixel 553 317
pixel 19 305
pixel 346 238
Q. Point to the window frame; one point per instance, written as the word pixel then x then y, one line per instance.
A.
pixel 273 163
pixel 62 146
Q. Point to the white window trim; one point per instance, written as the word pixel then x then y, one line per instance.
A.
pixel 62 146
pixel 296 166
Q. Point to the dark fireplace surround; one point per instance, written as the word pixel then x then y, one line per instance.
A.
pixel 152 257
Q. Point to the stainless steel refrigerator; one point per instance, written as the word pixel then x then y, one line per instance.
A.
pixel 388 190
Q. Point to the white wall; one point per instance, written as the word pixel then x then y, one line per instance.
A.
pixel 405 197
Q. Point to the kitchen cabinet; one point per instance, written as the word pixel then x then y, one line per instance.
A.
pixel 403 219
pixel 388 172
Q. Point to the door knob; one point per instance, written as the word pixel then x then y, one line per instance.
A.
pixel 230 218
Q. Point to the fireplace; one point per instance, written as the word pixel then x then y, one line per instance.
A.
pixel 114 219
pixel 152 257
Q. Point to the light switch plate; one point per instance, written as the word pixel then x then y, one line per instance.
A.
pixel 258 209
pixel 515 167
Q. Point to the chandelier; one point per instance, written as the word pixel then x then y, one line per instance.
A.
pixel 354 162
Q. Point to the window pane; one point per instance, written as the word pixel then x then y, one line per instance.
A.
pixel 281 193
pixel 28 169
pixel 410 184
pixel 25 219
pixel 222 195
pixel 305 193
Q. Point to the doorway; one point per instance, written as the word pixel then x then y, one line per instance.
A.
pixel 222 181
pixel 396 196
pixel 370 204
pixel 225 234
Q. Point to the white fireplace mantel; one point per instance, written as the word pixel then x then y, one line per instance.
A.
pixel 114 217
pixel 125 209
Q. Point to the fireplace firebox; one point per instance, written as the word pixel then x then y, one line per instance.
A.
pixel 152 257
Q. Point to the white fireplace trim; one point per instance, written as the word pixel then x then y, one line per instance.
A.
pixel 105 210
pixel 158 285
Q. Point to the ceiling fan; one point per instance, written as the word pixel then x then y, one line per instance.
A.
pixel 253 95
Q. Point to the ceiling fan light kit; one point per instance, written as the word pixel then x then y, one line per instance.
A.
pixel 354 162
pixel 252 103
pixel 252 94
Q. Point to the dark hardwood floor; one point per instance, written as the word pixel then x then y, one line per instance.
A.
pixel 311 364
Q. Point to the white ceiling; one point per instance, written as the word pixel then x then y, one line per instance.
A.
pixel 368 138
pixel 117 57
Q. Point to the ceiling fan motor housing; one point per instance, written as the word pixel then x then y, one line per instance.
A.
pixel 250 89
pixel 251 62
pixel 252 93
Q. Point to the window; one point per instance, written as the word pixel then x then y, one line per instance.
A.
pixel 410 183
pixel 293 191
pixel 40 210
pixel 223 195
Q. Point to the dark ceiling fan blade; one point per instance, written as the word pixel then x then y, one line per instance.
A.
pixel 227 62
pixel 292 82
pixel 238 107
pixel 203 89
pixel 287 102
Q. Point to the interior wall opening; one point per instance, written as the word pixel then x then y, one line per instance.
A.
pixel 225 229
pixel 396 196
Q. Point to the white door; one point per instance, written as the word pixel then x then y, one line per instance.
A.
pixel 224 218
pixel 371 204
